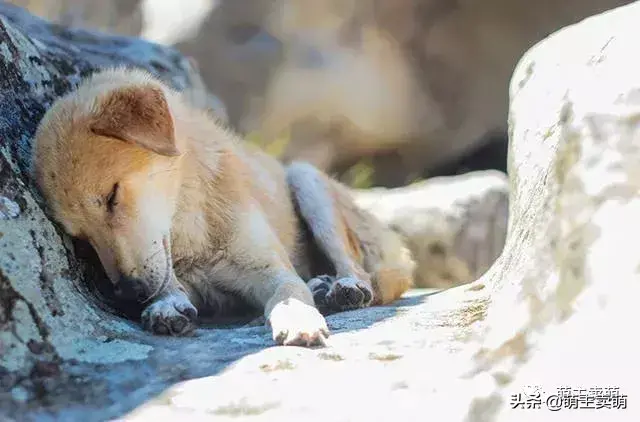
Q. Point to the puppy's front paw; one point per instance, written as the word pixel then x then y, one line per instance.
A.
pixel 294 323
pixel 171 315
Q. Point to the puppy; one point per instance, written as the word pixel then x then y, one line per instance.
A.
pixel 184 215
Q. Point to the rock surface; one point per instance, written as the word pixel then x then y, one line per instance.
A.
pixel 455 226
pixel 564 290
pixel 559 298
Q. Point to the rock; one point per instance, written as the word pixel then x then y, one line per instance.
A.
pixel 8 208
pixel 558 299
pixel 565 288
pixel 455 226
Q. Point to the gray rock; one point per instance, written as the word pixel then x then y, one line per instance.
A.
pixel 8 208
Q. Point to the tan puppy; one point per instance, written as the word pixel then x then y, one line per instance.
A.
pixel 182 212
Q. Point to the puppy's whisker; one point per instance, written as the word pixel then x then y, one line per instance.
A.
pixel 153 255
pixel 167 274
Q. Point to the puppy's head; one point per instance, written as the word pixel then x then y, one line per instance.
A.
pixel 106 160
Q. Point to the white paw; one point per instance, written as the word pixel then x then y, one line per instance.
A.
pixel 294 323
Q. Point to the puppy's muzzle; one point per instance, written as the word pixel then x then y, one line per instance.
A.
pixel 129 288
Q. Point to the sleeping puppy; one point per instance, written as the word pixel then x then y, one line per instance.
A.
pixel 180 211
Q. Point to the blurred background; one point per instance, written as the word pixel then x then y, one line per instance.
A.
pixel 375 92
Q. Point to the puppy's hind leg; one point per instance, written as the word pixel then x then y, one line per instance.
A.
pixel 314 197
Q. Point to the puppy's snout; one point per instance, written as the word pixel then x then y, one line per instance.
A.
pixel 129 288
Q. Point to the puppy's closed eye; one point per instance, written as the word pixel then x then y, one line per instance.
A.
pixel 112 198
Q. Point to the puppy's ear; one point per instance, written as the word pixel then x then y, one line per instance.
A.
pixel 138 115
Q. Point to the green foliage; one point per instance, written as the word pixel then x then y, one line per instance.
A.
pixel 274 147
pixel 360 175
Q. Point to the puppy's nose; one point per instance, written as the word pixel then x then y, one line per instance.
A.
pixel 129 288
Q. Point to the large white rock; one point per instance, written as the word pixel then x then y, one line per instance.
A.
pixel 564 292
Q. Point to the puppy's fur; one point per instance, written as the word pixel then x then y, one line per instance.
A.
pixel 181 212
